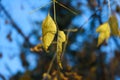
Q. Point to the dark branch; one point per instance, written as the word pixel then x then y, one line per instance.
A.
pixel 14 24
pixel 2 77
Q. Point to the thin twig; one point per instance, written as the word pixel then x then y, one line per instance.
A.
pixel 109 8
pixel 40 8
pixel 65 44
pixel 54 10
pixel 80 28
pixel 51 63
pixel 66 8
pixel 54 57
pixel 71 30
pixel 50 66
pixel 2 77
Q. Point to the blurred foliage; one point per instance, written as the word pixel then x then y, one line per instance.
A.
pixel 89 61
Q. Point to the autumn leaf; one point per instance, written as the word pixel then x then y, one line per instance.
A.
pixel 61 39
pixel 48 31
pixel 114 25
pixel 37 48
pixel 104 31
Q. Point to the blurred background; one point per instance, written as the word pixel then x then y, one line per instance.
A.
pixel 83 60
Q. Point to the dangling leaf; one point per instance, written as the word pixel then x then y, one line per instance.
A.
pixel 61 39
pixel 114 25
pixel 104 31
pixel 48 31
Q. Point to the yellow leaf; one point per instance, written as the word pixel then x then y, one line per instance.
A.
pixel 48 31
pixel 114 25
pixel 61 39
pixel 101 38
pixel 61 36
pixel 104 31
pixel 103 27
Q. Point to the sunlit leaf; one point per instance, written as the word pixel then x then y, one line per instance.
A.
pixel 61 39
pixel 48 31
pixel 113 25
pixel 104 31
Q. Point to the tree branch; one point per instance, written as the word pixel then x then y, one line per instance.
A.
pixel 14 24
pixel 2 77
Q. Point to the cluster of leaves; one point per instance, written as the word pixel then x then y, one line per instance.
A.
pixel 49 30
pixel 108 28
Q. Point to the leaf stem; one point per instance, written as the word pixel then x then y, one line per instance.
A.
pixel 51 63
pixel 66 8
pixel 65 44
pixel 54 10
pixel 54 57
